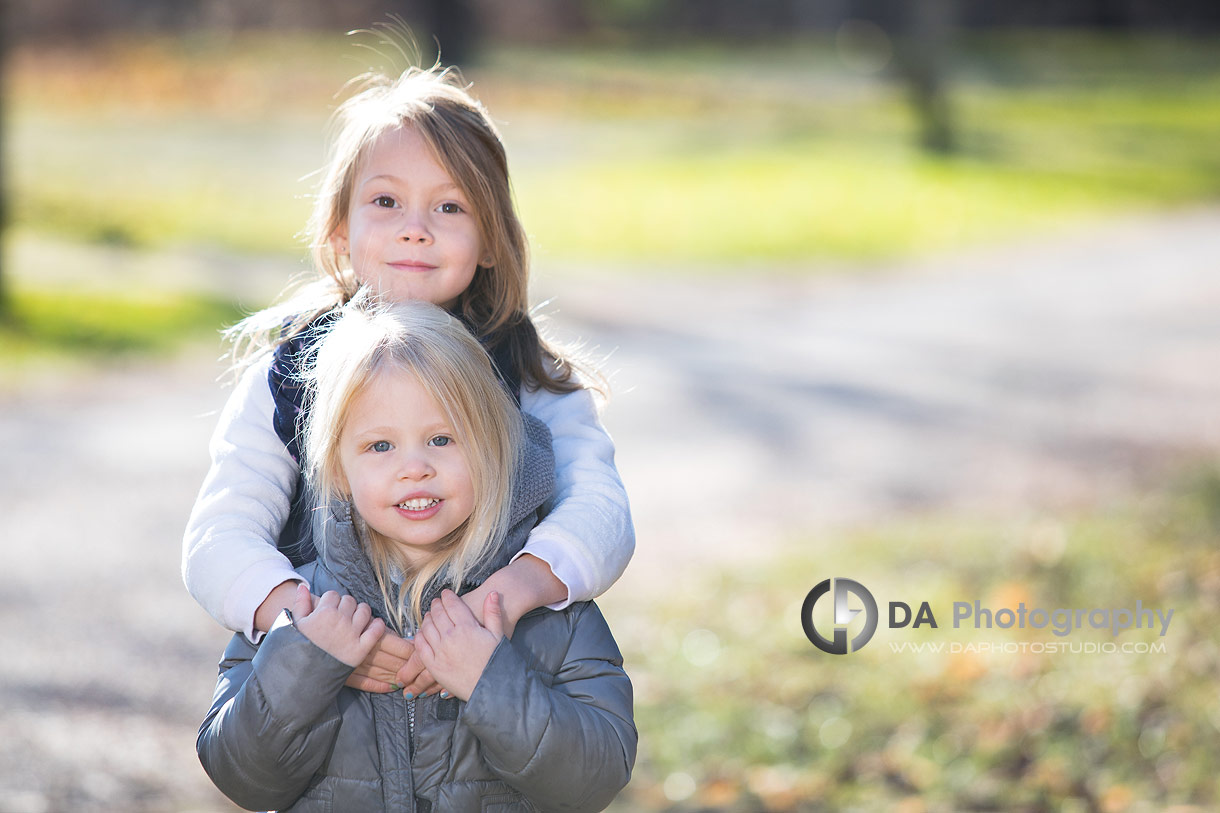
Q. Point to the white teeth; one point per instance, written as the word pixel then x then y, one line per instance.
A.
pixel 418 504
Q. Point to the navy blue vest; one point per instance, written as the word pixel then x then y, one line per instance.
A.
pixel 287 381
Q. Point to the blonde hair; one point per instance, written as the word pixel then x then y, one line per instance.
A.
pixel 419 339
pixel 465 141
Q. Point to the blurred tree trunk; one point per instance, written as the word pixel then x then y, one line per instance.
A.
pixel 447 23
pixel 923 46
pixel 453 26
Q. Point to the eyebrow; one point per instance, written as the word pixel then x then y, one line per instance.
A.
pixel 374 430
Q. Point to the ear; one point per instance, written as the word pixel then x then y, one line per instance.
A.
pixel 338 241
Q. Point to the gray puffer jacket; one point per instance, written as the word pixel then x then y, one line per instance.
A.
pixel 548 727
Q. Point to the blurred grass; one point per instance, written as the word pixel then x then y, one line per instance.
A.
pixel 694 154
pixel 47 325
pixel 739 712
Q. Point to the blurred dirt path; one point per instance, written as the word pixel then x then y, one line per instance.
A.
pixel 1021 380
pixel 748 410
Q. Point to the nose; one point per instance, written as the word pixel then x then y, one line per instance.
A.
pixel 414 229
pixel 415 466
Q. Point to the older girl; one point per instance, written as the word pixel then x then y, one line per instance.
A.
pixel 415 204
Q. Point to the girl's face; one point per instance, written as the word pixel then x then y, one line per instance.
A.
pixel 410 231
pixel 403 464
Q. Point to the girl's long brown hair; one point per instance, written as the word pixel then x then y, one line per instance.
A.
pixel 467 144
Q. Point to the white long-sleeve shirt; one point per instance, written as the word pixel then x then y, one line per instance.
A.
pixel 229 558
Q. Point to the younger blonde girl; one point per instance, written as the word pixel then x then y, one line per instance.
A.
pixel 428 478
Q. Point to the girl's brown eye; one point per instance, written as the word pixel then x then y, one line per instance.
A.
pixel 384 201
pixel 450 208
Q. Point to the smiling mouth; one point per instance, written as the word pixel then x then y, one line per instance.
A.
pixel 419 504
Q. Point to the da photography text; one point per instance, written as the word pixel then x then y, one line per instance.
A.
pixel 849 598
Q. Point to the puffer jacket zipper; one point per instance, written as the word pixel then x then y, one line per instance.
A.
pixel 411 719
pixel 411 729
pixel 408 632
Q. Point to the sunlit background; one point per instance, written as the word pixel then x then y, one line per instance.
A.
pixel 918 293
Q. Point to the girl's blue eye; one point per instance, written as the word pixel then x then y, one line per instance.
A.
pixel 380 446
pixel 384 201
pixel 450 208
pixel 440 440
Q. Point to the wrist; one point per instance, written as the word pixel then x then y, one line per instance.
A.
pixel 480 656
pixel 533 583
pixel 284 619
pixel 279 599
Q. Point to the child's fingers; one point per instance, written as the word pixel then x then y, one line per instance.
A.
pixel 456 609
pixel 347 606
pixel 423 683
pixel 410 671
pixel 493 617
pixel 370 635
pixel 396 647
pixel 328 601
pixel 373 631
pixel 364 683
pixel 439 615
pixel 429 631
pixel 302 604
pixel 381 665
pixel 426 654
pixel 361 617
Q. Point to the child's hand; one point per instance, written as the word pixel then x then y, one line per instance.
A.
pixel 453 645
pixel 524 584
pixel 416 680
pixel 380 671
pixel 339 626
pixel 476 602
pixel 393 665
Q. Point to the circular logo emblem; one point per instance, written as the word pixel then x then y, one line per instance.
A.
pixel 843 615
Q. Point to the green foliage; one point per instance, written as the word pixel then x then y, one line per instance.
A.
pixel 738 711
pixel 694 155
pixel 818 200
pixel 48 324
pixel 149 182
